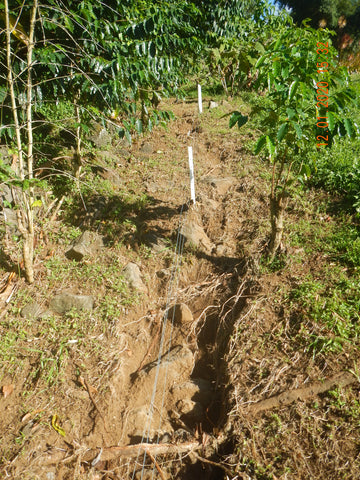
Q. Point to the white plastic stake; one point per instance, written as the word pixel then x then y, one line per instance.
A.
pixel 199 98
pixel 192 176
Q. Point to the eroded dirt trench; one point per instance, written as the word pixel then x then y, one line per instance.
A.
pixel 166 391
pixel 169 389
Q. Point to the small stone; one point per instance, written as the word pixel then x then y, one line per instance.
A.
pixel 65 302
pixel 132 275
pixel 209 203
pixel 151 187
pixel 194 234
pixel 180 360
pixel 146 148
pixel 191 409
pixel 181 314
pixel 31 311
pixel 197 389
pixel 213 104
pixel 157 244
pixel 222 185
pixel 88 243
pixel 6 193
pixel 11 220
pixel 100 136
pixel 222 250
pixel 164 273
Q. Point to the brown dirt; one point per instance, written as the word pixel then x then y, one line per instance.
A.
pixel 239 339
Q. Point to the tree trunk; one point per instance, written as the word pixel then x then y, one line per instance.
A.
pixel 25 215
pixel 77 155
pixel 277 223
pixel 28 247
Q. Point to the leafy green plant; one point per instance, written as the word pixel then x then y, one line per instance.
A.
pixel 287 73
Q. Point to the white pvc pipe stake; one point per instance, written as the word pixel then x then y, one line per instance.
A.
pixel 199 98
pixel 192 176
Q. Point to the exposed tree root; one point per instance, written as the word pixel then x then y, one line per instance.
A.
pixel 341 379
pixel 111 453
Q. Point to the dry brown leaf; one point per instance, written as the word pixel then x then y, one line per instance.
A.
pixel 7 390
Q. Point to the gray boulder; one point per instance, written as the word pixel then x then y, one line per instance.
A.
pixel 88 243
pixel 132 275
pixel 64 302
pixel 194 234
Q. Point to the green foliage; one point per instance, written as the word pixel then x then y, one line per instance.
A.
pixel 288 73
pixel 337 170
pixel 332 309
pixel 230 56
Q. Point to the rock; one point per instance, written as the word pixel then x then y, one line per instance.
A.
pixel 132 275
pixel 139 421
pixel 179 361
pixel 193 233
pixel 88 243
pixel 213 104
pixel 181 314
pixel 123 153
pixel 151 187
pixel 209 203
pixel 112 177
pixel 10 219
pixel 157 244
pixel 146 148
pixel 64 302
pixel 31 311
pixel 6 194
pixel 197 389
pixel 191 409
pixel 164 273
pixel 222 250
pixel 222 185
pixel 100 136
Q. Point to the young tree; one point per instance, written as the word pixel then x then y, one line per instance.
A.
pixel 302 105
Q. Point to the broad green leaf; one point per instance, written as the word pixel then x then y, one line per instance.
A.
pixel 349 127
pixel 293 88
pixel 260 144
pixel 237 118
pixel 259 47
pixel 332 119
pixel 305 170
pixel 282 131
pixel 277 68
pixel 3 94
pixel 298 130
pixel 270 146
pixel 260 61
pixel 290 113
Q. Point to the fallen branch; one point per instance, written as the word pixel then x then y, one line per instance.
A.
pixel 341 379
pixel 111 453
pixel 215 464
pixel 157 466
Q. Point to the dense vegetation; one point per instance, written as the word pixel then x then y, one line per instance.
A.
pixel 64 67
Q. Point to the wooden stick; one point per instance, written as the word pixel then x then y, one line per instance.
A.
pixel 215 464
pixel 161 473
pixel 341 379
